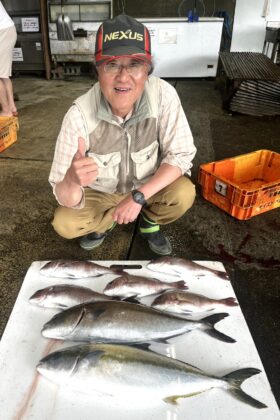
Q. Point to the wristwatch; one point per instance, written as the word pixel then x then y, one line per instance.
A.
pixel 138 197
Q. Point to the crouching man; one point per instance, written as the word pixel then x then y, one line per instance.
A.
pixel 125 147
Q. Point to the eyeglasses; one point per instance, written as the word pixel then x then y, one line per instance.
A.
pixel 134 68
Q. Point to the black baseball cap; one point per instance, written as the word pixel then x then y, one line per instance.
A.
pixel 122 36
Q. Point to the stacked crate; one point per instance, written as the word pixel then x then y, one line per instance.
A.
pixel 8 131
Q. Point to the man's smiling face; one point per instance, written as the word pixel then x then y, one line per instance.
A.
pixel 122 82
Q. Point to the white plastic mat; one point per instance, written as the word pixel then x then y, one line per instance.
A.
pixel 24 394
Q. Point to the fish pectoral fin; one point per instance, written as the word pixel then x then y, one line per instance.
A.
pixel 172 399
pixel 185 312
pixel 96 314
pixel 69 275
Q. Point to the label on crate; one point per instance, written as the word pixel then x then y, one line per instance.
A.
pixel 221 187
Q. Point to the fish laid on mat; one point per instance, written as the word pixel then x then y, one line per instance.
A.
pixel 130 286
pixel 76 269
pixel 123 371
pixel 124 322
pixel 182 267
pixel 181 302
pixel 62 296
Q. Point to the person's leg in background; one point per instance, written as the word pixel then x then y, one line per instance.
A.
pixel 10 95
pixel 8 38
pixel 6 110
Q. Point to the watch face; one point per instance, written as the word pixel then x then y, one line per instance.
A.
pixel 138 197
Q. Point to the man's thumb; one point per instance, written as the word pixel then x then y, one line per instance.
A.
pixel 81 148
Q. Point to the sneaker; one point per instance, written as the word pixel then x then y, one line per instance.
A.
pixel 93 240
pixel 150 231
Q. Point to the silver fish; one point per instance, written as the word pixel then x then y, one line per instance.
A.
pixel 186 303
pixel 119 371
pixel 180 266
pixel 124 322
pixel 75 269
pixel 129 286
pixel 62 296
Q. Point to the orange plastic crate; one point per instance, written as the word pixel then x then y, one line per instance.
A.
pixel 243 186
pixel 8 131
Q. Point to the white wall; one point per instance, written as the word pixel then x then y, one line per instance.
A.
pixel 273 11
pixel 249 26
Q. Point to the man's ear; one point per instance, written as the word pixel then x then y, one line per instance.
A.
pixel 94 70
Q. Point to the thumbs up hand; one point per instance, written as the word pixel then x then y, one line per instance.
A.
pixel 83 170
pixel 81 152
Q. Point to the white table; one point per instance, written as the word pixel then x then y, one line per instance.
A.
pixel 24 394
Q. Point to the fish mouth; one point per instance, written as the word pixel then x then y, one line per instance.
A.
pixel 39 365
pixel 36 299
pixel 33 300
pixel 48 331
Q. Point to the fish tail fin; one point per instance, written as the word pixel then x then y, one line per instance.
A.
pixel 180 284
pixel 210 322
pixel 235 380
pixel 230 301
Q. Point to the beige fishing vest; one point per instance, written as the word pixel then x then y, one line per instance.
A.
pixel 127 155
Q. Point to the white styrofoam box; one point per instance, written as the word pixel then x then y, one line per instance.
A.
pixel 24 394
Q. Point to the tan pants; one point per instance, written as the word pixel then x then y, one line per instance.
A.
pixel 164 207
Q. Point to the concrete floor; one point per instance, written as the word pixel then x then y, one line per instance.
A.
pixel 249 249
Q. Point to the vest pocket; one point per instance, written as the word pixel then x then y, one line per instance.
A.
pixel 145 161
pixel 108 170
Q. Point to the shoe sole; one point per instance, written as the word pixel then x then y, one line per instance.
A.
pixel 96 244
pixel 158 251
